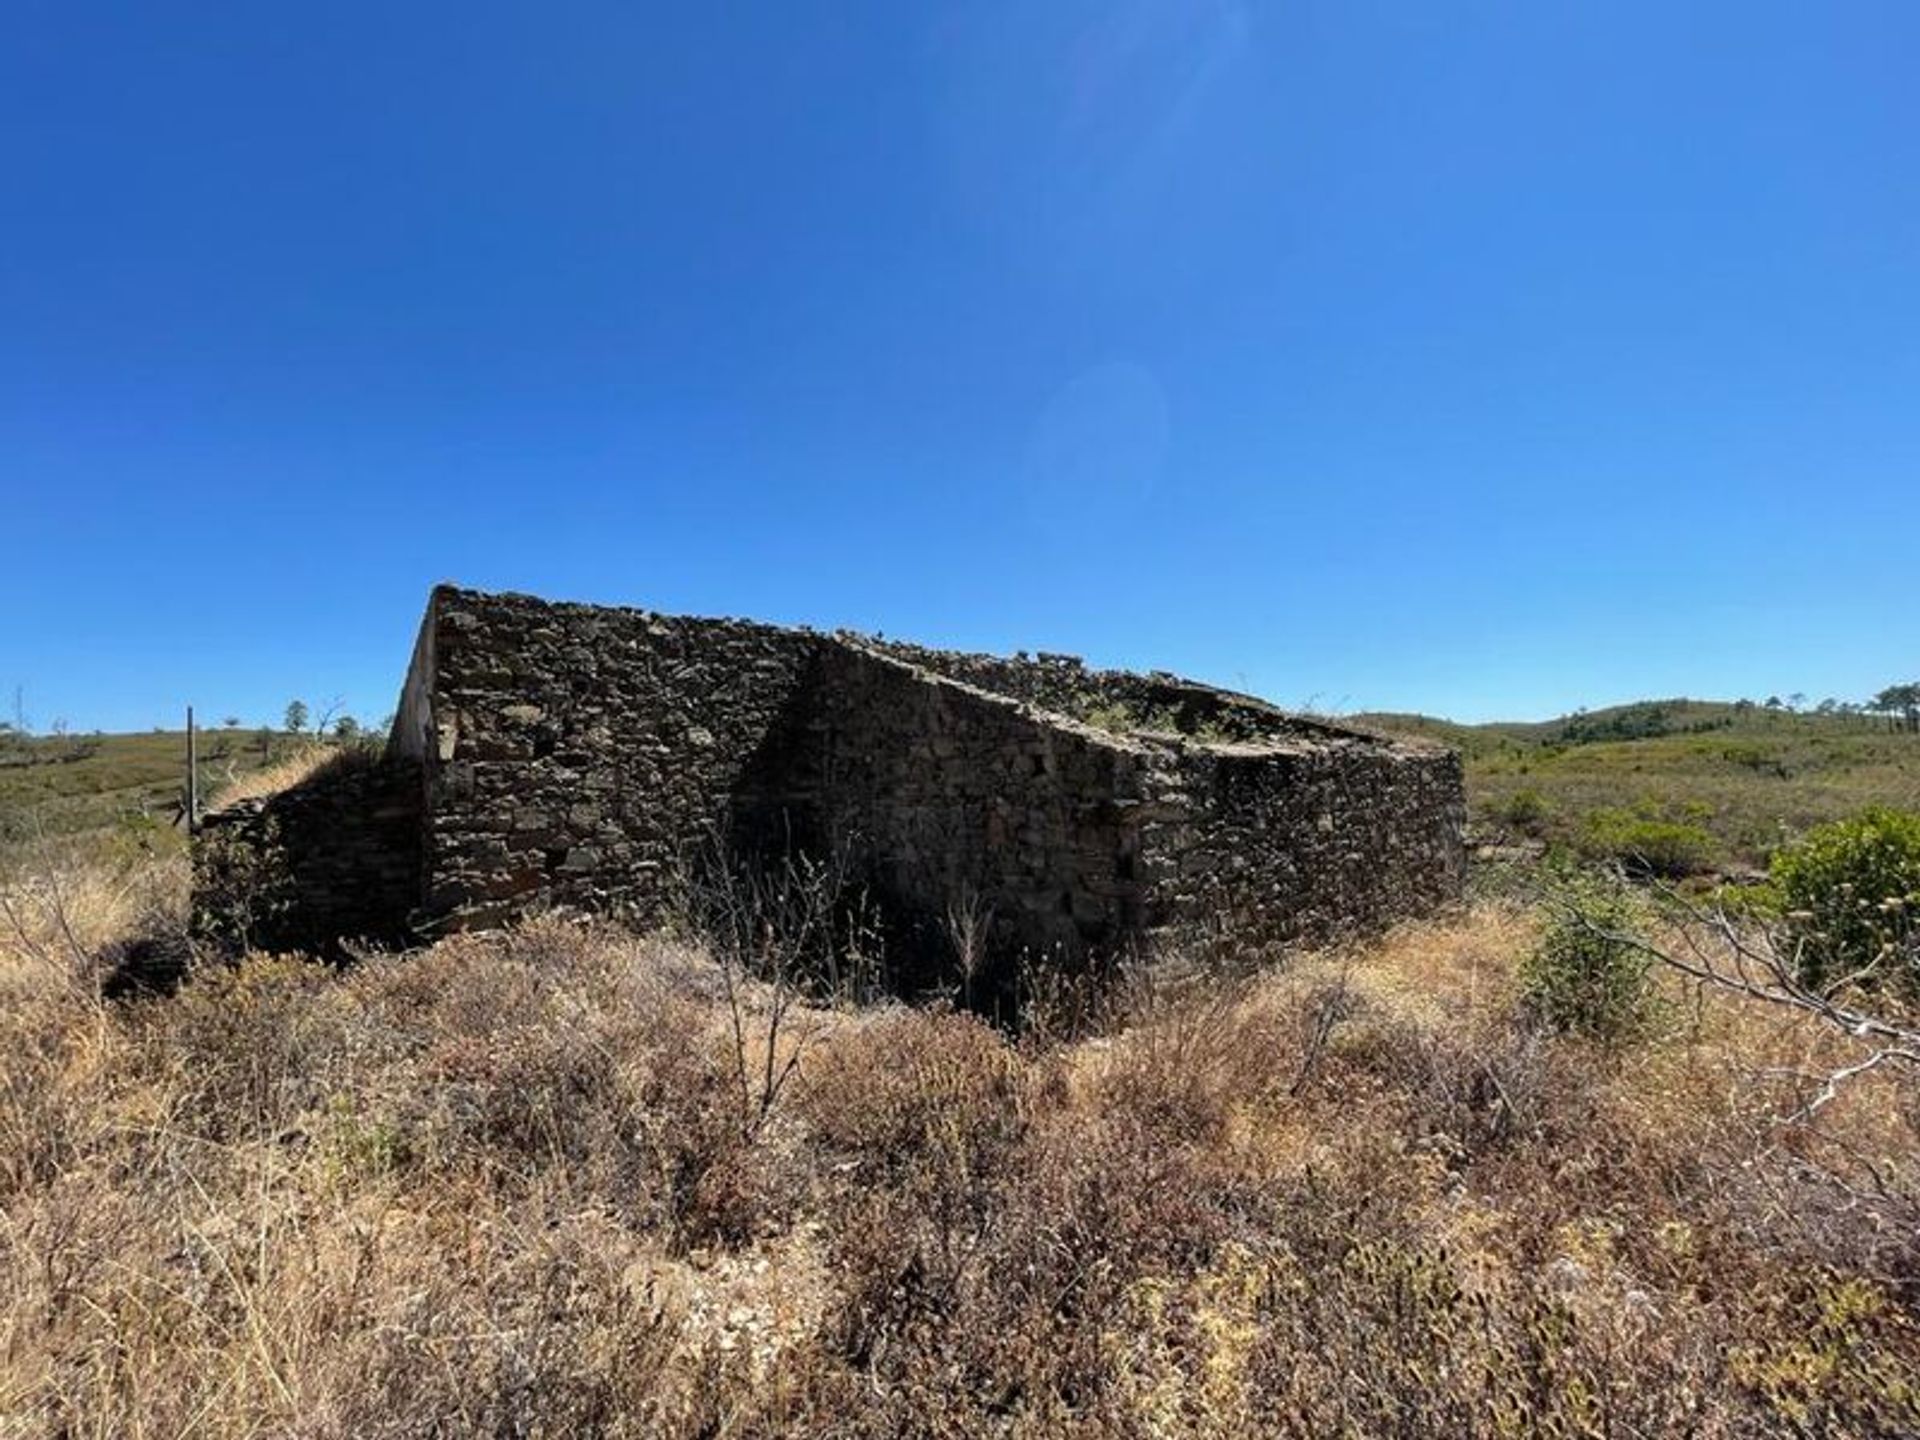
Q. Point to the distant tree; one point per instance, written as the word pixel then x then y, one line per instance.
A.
pixel 323 721
pixel 1828 706
pixel 231 722
pixel 296 718
pixel 1773 702
pixel 346 728
pixel 1630 722
pixel 1797 701
pixel 1902 703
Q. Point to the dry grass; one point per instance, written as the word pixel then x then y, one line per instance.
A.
pixel 296 768
pixel 506 1187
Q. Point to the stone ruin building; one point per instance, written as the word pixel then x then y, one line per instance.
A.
pixel 575 756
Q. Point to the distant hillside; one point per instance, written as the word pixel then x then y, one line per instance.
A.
pixel 1636 720
pixel 64 785
pixel 1739 777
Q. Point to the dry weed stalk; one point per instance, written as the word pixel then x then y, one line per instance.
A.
pixel 969 924
pixel 794 928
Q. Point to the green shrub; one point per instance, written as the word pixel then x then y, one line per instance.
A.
pixel 1750 901
pixel 1649 844
pixel 1121 717
pixel 1757 758
pixel 1583 976
pixel 1525 810
pixel 1850 894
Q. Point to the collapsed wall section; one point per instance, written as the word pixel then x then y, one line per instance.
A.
pixel 334 858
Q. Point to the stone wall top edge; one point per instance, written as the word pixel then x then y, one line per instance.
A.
pixel 1310 732
pixel 498 600
pixel 1033 714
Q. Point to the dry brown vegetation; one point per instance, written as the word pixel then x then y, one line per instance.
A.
pixel 511 1185
pixel 300 765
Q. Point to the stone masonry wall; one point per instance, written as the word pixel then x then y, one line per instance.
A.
pixel 577 755
pixel 1277 828
pixel 555 754
pixel 961 798
pixel 1272 847
pixel 336 857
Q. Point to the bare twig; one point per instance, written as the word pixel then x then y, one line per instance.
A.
pixel 1762 963
pixel 795 924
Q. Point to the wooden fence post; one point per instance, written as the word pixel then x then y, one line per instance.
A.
pixel 193 777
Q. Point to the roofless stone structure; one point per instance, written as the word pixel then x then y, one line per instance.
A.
pixel 575 756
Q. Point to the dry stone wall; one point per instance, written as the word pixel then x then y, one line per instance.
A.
pixel 1274 830
pixel 965 802
pixel 577 755
pixel 1264 848
pixel 571 755
pixel 334 859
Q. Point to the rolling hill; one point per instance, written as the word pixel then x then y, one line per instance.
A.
pixel 68 785
pixel 1742 776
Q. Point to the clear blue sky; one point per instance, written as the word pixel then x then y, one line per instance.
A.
pixel 1485 359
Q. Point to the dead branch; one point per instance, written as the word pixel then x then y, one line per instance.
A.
pixel 1757 962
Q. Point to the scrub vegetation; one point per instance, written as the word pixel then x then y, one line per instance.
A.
pixel 1596 1156
pixel 532 1184
pixel 1681 787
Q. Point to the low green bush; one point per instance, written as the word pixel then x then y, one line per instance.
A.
pixel 1849 893
pixel 1525 810
pixel 1584 976
pixel 1650 844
